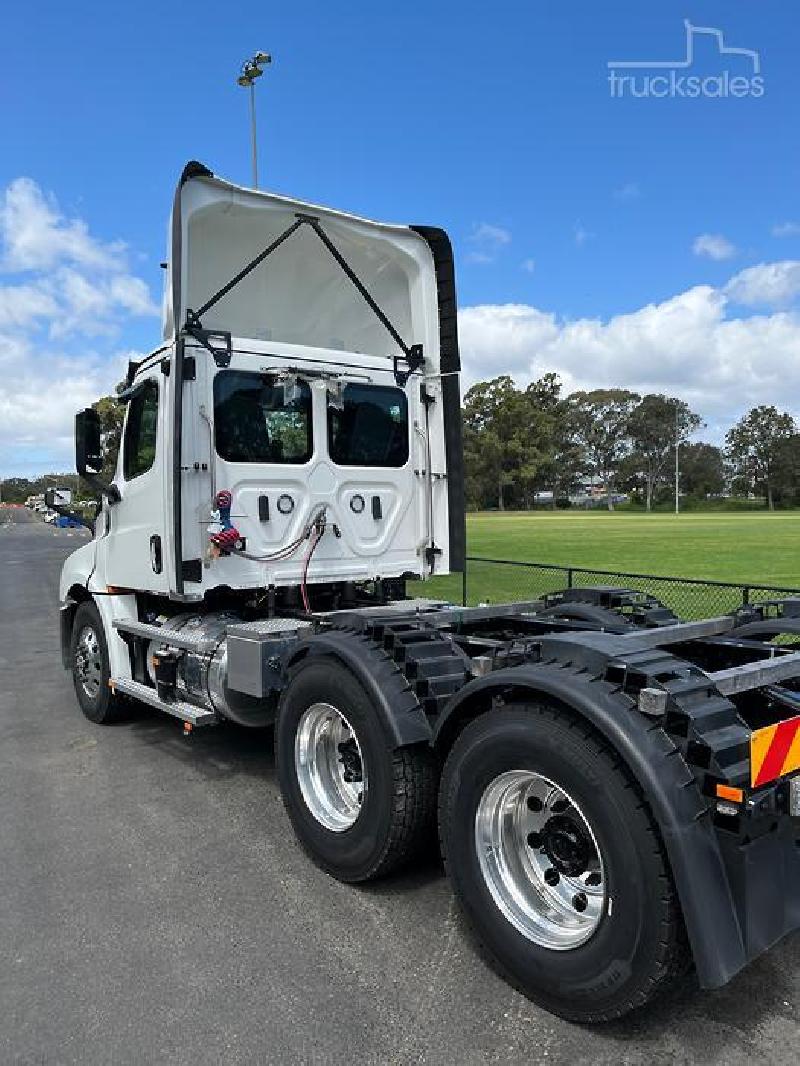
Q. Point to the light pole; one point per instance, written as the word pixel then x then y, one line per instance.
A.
pixel 251 69
pixel 677 462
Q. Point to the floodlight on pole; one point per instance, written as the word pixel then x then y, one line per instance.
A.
pixel 251 69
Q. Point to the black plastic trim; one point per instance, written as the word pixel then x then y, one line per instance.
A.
pixel 66 617
pixel 450 365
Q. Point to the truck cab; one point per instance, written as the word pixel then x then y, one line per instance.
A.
pixel 309 366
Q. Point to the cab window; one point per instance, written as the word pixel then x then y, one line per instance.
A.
pixel 141 426
pixel 369 427
pixel 258 419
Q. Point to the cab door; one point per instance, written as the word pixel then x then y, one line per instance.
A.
pixel 135 549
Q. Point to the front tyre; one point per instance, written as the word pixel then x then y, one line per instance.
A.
pixel 90 667
pixel 558 865
pixel 360 809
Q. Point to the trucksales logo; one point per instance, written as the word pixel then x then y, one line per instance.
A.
pixel 739 77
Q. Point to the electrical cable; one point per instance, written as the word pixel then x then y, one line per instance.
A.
pixel 288 549
pixel 306 562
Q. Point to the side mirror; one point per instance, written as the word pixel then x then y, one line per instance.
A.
pixel 58 498
pixel 88 443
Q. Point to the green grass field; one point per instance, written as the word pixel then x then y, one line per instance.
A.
pixel 748 547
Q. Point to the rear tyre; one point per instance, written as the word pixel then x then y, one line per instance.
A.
pixel 91 669
pixel 558 865
pixel 359 809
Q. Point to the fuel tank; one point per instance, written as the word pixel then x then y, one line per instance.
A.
pixel 202 676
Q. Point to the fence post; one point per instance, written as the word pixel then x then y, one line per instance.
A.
pixel 464 585
pixel 569 577
pixel 745 596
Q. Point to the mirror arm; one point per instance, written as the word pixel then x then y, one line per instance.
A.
pixel 74 515
pixel 67 512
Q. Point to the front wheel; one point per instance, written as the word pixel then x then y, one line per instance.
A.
pixel 360 809
pixel 90 667
pixel 558 865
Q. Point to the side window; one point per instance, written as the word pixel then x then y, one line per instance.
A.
pixel 139 445
pixel 369 427
pixel 260 420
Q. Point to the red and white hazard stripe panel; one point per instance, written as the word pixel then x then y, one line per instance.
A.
pixel 774 751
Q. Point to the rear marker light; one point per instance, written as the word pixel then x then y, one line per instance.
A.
pixel 726 792
pixel 794 797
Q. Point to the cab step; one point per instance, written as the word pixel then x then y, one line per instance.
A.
pixel 187 712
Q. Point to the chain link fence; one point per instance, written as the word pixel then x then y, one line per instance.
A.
pixel 505 581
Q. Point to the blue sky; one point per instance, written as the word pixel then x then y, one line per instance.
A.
pixel 572 212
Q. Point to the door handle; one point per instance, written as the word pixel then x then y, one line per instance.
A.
pixel 155 553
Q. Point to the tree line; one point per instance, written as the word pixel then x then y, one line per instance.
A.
pixel 522 443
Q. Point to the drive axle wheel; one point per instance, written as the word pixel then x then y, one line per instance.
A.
pixel 558 865
pixel 90 667
pixel 359 808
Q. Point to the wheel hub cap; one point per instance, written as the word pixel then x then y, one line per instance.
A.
pixel 89 662
pixel 329 766
pixel 540 860
pixel 566 845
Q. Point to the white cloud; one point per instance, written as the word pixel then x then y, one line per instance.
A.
pixel 528 265
pixel 36 235
pixel 629 191
pixel 23 305
pixel 580 235
pixel 63 287
pixel 769 284
pixel 713 246
pixel 47 388
pixel 484 233
pixel 133 295
pixel 486 242
pixel 690 345
pixel 786 229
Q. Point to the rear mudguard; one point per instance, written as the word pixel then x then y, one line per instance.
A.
pixel 692 845
pixel 398 708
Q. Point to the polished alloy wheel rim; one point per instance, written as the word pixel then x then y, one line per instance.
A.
pixel 89 662
pixel 329 766
pixel 540 860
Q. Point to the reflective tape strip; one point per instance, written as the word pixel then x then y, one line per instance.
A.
pixel 774 751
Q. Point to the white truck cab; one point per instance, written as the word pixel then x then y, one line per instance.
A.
pixel 309 366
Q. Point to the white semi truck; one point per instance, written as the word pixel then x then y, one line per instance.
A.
pixel 614 789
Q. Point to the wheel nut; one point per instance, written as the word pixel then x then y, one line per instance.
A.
pixel 534 803
pixel 579 902
pixel 534 840
pixel 593 880
pixel 552 877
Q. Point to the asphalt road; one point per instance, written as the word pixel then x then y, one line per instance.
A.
pixel 154 907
